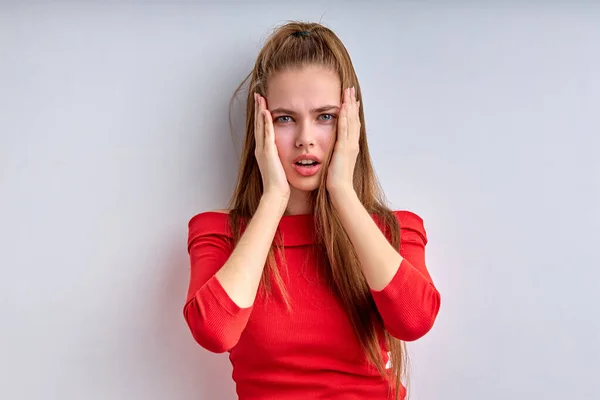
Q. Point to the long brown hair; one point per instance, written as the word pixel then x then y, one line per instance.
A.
pixel 295 45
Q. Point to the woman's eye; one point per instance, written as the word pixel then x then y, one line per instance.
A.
pixel 283 119
pixel 286 118
pixel 329 117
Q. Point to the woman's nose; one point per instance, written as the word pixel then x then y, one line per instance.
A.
pixel 305 137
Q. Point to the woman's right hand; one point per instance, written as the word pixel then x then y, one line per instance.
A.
pixel 272 172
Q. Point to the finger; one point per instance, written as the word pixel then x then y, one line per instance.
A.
pixel 349 113
pixel 357 119
pixel 260 126
pixel 351 105
pixel 353 118
pixel 343 123
pixel 265 118
pixel 256 118
pixel 269 131
pixel 255 109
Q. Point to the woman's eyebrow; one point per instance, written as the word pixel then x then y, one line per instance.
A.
pixel 281 110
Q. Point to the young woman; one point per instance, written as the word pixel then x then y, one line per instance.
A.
pixel 309 281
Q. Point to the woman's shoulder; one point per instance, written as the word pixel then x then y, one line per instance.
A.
pixel 210 222
pixel 408 217
pixel 410 221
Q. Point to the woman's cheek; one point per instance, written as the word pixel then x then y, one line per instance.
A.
pixel 327 135
pixel 278 134
pixel 283 143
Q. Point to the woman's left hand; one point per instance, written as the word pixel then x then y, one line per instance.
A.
pixel 341 169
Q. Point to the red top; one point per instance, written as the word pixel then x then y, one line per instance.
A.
pixel 311 353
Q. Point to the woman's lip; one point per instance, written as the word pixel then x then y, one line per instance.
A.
pixel 311 158
pixel 307 170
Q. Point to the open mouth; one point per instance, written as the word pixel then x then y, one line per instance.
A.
pixel 305 168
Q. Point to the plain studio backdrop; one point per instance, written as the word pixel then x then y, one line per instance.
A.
pixel 482 118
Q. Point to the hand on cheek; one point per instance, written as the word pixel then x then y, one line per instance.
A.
pixel 341 169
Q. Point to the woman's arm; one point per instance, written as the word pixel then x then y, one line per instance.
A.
pixel 401 286
pixel 240 276
pixel 224 281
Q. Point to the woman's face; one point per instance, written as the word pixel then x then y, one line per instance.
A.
pixel 305 104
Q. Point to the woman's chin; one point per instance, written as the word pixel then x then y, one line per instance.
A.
pixel 306 184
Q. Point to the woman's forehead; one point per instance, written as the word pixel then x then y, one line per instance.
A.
pixel 306 89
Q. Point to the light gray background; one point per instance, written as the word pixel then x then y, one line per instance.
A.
pixel 484 119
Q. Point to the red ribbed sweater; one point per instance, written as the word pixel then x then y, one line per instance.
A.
pixel 311 353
